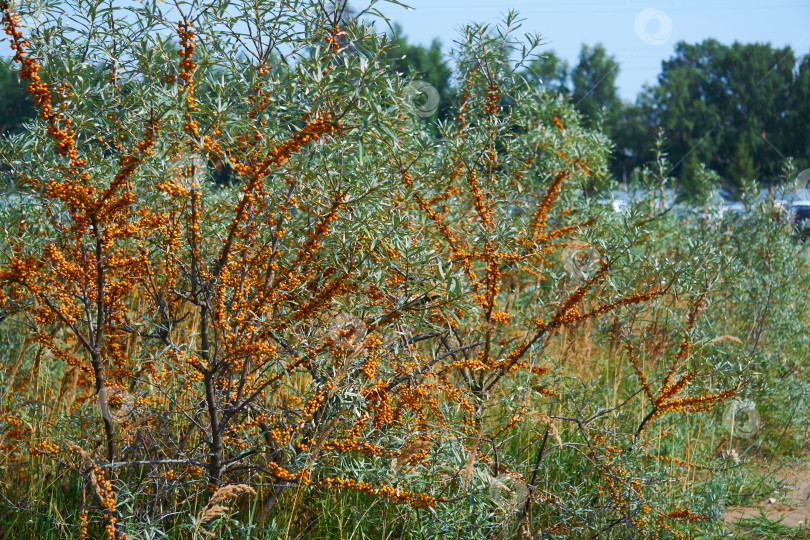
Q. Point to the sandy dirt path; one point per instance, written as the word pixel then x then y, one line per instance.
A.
pixel 792 506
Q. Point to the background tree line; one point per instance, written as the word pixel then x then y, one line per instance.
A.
pixel 733 111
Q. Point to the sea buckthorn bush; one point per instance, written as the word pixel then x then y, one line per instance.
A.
pixel 246 292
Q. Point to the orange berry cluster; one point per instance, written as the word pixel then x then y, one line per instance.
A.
pixel 685 514
pixel 491 105
pixel 540 217
pixel 44 448
pixel 186 75
pixel 107 497
pixel 280 472
pixel 461 117
pixel 259 97
pixel 666 399
pixel 332 38
pixel 17 431
pixel 83 525
pixel 483 209
pixel 187 65
pixel 313 130
pixel 41 94
pixel 418 500
pixel 363 447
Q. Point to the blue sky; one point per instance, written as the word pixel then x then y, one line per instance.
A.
pixel 639 34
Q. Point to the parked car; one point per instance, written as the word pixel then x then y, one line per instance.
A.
pixel 800 216
pixel 617 201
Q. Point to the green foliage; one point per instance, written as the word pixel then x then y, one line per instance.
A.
pixel 741 167
pixel 631 135
pixel 550 72
pixel 697 182
pixel 796 115
pixel 711 96
pixel 590 84
pixel 15 104
pixel 591 87
pixel 594 87
pixel 424 63
pixel 722 104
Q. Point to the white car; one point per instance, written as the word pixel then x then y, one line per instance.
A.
pixel 618 205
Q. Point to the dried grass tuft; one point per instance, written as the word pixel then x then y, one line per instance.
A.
pixel 16 367
pixel 466 473
pixel 214 509
pixel 88 465
pixel 726 337
pixel 67 391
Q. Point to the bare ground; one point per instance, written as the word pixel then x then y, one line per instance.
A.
pixel 791 506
